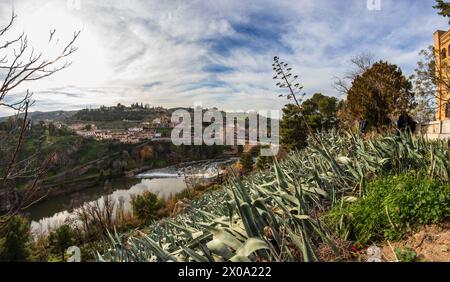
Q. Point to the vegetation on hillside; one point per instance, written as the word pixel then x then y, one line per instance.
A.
pixel 391 207
pixel 277 215
pixel 136 112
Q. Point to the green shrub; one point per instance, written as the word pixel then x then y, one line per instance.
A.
pixel 246 162
pixel 147 206
pixel 406 255
pixel 392 206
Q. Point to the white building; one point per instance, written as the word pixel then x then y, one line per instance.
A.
pixel 135 129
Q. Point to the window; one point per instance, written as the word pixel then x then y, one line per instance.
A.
pixel 447 110
pixel 444 53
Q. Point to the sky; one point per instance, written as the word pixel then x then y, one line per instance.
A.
pixel 218 53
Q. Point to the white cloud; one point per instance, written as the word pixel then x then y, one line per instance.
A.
pixel 159 52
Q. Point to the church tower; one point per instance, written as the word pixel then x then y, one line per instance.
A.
pixel 442 49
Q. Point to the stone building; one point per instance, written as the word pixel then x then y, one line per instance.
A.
pixel 442 49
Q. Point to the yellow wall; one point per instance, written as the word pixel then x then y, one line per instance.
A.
pixel 441 42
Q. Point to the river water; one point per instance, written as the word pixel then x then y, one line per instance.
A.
pixel 54 212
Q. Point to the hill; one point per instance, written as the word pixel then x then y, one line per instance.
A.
pixel 43 116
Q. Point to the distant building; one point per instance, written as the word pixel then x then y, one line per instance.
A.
pixel 135 129
pixel 86 134
pixel 77 126
pixel 156 122
pixel 442 49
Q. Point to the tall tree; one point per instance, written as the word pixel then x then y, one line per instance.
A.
pixel 293 131
pixel 378 96
pixel 359 64
pixel 444 8
pixel 61 239
pixel 321 111
pixel 428 75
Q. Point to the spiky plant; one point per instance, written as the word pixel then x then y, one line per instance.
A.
pixel 273 216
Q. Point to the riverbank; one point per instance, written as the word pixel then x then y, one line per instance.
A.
pixel 105 162
pixel 164 182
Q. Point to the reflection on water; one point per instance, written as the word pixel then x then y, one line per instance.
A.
pixel 162 187
pixel 56 211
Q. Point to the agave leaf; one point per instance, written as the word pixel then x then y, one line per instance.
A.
pixel 217 247
pixel 159 252
pixel 240 259
pixel 194 255
pixel 225 237
pixel 250 246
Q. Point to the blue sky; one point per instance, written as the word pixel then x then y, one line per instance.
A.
pixel 219 53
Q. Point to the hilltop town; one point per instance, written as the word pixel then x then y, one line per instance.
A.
pixel 126 124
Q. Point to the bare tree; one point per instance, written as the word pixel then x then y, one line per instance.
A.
pixel 431 82
pixel 360 63
pixel 19 64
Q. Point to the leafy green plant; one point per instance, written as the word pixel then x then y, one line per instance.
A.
pixel 146 206
pixel 406 255
pixel 392 206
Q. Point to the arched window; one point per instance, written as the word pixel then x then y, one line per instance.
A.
pixel 448 50
pixel 444 53
pixel 447 110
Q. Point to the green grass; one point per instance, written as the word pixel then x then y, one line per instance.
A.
pixel 91 150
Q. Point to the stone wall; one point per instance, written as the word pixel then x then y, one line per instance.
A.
pixel 435 130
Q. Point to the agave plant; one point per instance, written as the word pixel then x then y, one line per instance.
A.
pixel 272 216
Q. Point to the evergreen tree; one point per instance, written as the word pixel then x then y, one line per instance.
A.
pixel 61 239
pixel 321 111
pixel 293 131
pixel 15 240
pixel 246 162
pixel 379 95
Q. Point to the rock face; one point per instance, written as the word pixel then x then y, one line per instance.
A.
pixel 8 200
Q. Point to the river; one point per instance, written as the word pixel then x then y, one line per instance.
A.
pixel 56 211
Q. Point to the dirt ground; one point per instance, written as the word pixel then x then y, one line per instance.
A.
pixel 431 244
